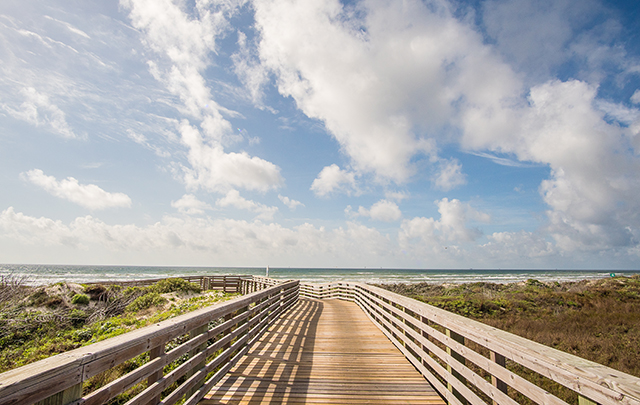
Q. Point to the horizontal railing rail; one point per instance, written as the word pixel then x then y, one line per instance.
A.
pixel 182 357
pixel 469 362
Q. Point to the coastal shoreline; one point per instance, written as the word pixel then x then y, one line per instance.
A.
pixel 49 274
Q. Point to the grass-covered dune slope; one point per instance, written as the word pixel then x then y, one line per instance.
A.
pixel 38 322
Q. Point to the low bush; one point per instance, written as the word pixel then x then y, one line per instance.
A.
pixel 77 317
pixel 80 299
pixel 146 301
pixel 169 285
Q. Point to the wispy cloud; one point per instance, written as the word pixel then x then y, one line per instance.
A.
pixel 502 161
pixel 38 110
pixel 86 195
pixel 70 27
pixel 184 44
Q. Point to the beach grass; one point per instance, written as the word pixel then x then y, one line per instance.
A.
pixel 39 322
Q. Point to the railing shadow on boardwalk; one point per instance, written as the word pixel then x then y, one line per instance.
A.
pixel 282 361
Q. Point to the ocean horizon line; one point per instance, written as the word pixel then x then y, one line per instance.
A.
pixel 51 273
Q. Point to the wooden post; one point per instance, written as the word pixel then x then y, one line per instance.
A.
pixel 192 334
pixel 585 401
pixel 424 333
pixel 499 384
pixel 228 331
pixel 404 330
pixel 153 353
pixel 457 356
pixel 63 397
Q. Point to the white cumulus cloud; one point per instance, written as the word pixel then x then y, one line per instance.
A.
pixel 234 199
pixel 383 210
pixel 86 195
pixel 382 76
pixel 332 179
pixel 213 169
pixel 592 198
pixel 189 204
pixel 451 228
pixel 291 203
pixel 449 175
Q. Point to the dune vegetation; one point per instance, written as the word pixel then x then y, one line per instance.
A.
pixel 38 322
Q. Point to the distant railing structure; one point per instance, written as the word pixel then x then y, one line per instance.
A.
pixel 226 283
pixel 186 355
pixel 469 362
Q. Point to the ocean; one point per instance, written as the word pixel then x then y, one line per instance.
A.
pixel 48 274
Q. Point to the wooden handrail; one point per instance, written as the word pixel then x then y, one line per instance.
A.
pixel 437 343
pixel 217 337
pixel 226 283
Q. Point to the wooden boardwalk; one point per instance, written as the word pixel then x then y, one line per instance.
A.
pixel 323 352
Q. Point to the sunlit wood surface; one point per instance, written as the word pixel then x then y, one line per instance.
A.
pixel 323 352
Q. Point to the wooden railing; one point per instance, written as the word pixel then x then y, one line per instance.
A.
pixel 226 283
pixel 185 356
pixel 470 362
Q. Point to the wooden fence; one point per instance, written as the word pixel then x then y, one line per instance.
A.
pixel 469 362
pixel 185 356
pixel 232 284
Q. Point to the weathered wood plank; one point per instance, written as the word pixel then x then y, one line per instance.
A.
pixel 323 352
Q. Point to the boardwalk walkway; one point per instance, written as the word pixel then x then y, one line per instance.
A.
pixel 323 352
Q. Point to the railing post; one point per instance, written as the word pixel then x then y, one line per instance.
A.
pixel 64 397
pixel 424 334
pixel 194 352
pixel 499 384
pixel 457 356
pixel 154 353
pixel 228 331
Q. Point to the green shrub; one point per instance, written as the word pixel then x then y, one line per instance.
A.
pixel 78 317
pixel 174 285
pixel 146 301
pixel 80 299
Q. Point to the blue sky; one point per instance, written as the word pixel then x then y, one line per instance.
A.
pixel 377 133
